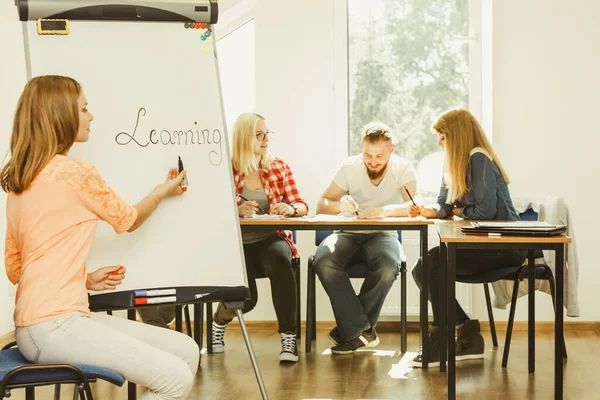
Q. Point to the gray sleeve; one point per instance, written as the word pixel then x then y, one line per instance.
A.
pixel 443 210
pixel 483 186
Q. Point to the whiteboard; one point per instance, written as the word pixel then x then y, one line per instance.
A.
pixel 154 91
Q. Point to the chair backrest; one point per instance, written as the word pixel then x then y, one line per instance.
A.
pixel 321 235
pixel 529 215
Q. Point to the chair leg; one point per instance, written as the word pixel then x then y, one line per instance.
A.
pixel 488 302
pixel 511 319
pixel 188 324
pixel 403 322
pixel 178 322
pixel 298 300
pixel 30 393
pixel 209 320
pixel 313 311
pixel 57 391
pixel 553 293
pixel 309 299
pixel 198 324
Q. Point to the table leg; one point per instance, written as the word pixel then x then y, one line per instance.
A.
pixel 450 299
pixel 443 311
pixel 559 255
pixel 424 308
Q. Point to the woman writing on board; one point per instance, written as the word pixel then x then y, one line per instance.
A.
pixel 475 186
pixel 53 207
pixel 264 184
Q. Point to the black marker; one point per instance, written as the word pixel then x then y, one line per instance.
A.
pixel 245 199
pixel 184 180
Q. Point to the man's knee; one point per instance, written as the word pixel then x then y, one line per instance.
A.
pixel 388 269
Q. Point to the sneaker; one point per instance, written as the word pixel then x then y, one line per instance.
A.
pixel 469 342
pixel 366 339
pixel 434 350
pixel 334 336
pixel 218 333
pixel 289 349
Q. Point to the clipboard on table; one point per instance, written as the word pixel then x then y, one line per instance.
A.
pixel 516 228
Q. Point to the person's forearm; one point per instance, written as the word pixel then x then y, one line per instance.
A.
pixel 326 206
pixel 146 207
pixel 397 210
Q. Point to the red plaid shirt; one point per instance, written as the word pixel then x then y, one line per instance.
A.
pixel 280 187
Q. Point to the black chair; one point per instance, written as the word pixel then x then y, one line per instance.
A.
pixel 18 373
pixel 209 308
pixel 515 273
pixel 357 270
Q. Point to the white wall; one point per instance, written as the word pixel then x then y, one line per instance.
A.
pixel 546 76
pixel 12 80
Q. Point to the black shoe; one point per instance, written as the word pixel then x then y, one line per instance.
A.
pixel 334 336
pixel 218 332
pixel 469 342
pixel 289 349
pixel 433 342
pixel 366 339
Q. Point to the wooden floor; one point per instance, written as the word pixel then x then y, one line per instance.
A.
pixel 382 373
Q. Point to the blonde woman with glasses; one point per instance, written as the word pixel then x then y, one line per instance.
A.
pixel 264 184
pixel 53 206
pixel 475 187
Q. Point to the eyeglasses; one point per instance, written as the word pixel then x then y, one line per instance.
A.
pixel 263 135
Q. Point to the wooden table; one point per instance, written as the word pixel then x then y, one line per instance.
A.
pixel 451 240
pixel 395 224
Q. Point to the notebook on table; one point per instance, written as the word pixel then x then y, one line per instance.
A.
pixel 515 228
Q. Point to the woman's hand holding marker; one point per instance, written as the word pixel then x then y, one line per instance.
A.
pixel 105 278
pixel 172 186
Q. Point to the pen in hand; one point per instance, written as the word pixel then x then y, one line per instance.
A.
pixel 245 199
pixel 411 198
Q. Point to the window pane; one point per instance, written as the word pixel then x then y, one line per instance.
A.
pixel 407 64
pixel 237 68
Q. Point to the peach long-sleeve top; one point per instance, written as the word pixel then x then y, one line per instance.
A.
pixel 50 229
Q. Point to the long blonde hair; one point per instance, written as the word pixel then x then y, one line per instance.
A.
pixel 45 124
pixel 242 153
pixel 463 133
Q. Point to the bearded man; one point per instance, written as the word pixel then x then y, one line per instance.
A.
pixel 370 185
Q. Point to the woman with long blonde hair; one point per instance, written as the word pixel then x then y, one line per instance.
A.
pixel 264 185
pixel 53 206
pixel 474 186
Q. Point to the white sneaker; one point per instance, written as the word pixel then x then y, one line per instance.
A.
pixel 289 349
pixel 218 333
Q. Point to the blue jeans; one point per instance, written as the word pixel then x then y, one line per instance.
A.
pixel 381 253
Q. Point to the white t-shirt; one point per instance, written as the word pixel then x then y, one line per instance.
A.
pixel 352 177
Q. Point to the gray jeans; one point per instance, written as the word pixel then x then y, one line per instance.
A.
pixel 162 360
pixel 381 253
pixel 157 316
